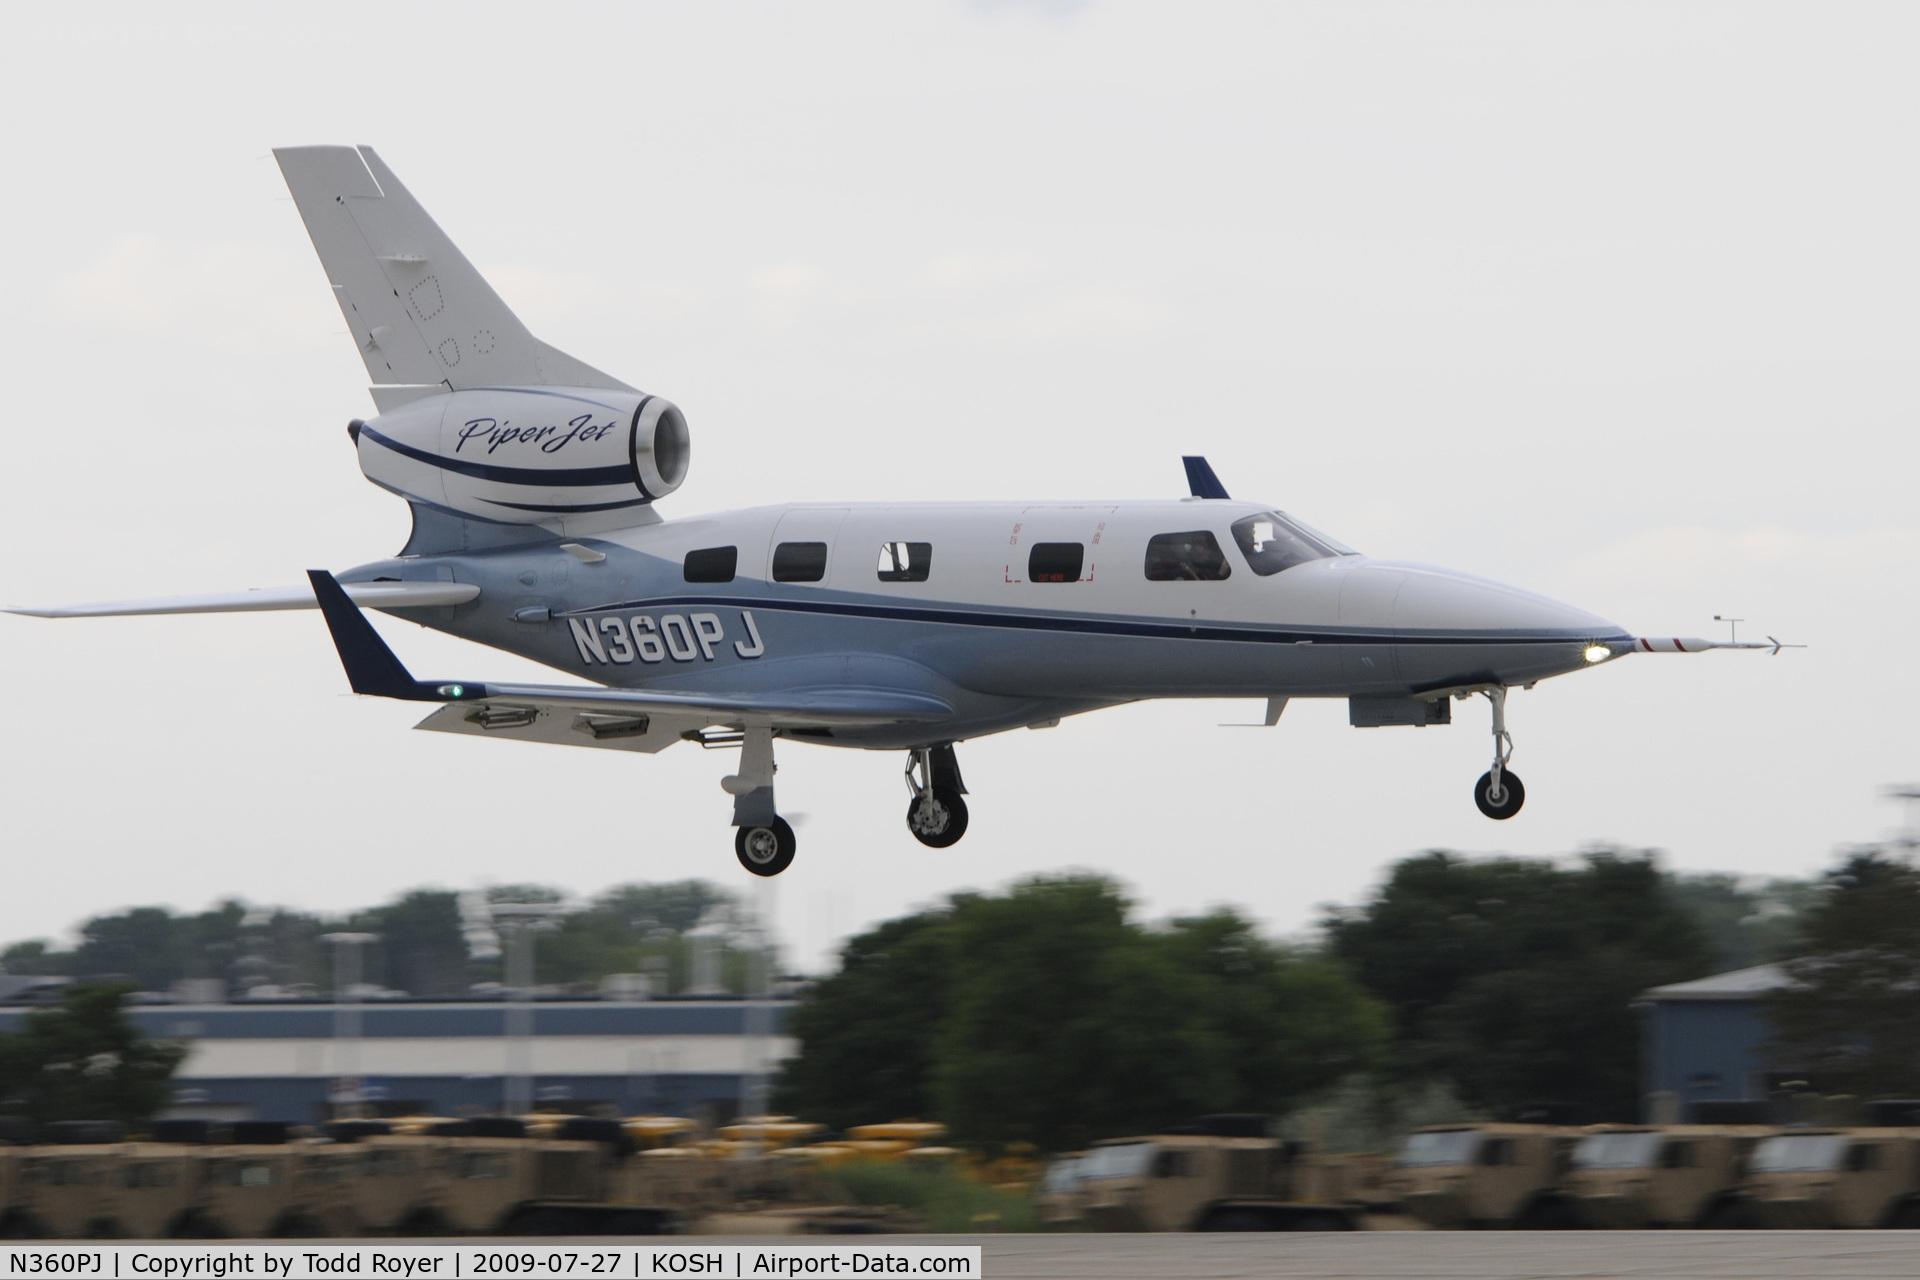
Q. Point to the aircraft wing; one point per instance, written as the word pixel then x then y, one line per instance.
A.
pixel 590 715
pixel 377 595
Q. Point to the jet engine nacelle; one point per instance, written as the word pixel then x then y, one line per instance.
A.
pixel 528 455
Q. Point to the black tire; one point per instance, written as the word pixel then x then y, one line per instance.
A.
pixel 195 1225
pixel 1236 1220
pixel 1906 1217
pixel 1729 1215
pixel 423 1222
pixel 765 851
pixel 21 1226
pixel 938 821
pixel 1512 795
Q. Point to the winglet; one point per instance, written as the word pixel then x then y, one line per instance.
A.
pixel 1201 480
pixel 372 668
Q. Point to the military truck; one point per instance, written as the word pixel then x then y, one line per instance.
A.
pixel 274 1184
pixel 1832 1177
pixel 1660 1175
pixel 1486 1175
pixel 1060 1193
pixel 1224 1175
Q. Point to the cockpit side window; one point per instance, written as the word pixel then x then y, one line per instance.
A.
pixel 1273 541
pixel 1186 557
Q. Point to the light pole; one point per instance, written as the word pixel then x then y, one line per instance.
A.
pixel 519 922
pixel 349 1089
pixel 756 1011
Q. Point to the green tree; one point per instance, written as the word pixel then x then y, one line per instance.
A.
pixel 1748 922
pixel 1067 1024
pixel 1046 1015
pixel 422 949
pixel 1514 978
pixel 637 927
pixel 1294 1021
pixel 85 1060
pixel 868 1032
pixel 1851 1019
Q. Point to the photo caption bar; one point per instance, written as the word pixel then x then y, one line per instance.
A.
pixel 241 1260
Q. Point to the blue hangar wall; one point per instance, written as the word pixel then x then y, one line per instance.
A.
pixel 1706 1041
pixel 282 1061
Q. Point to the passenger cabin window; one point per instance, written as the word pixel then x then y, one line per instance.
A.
pixel 800 562
pixel 1055 562
pixel 1863 1157
pixel 711 564
pixel 1678 1155
pixel 1272 542
pixel 905 561
pixel 1186 557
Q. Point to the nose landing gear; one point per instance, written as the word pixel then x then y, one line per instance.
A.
pixel 1499 793
pixel 936 815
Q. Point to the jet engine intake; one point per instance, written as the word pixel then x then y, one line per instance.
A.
pixel 530 455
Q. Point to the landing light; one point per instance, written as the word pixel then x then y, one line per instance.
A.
pixel 1597 653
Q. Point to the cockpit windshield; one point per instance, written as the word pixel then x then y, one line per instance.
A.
pixel 1273 540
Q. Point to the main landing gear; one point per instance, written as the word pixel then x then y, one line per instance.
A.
pixel 764 840
pixel 936 815
pixel 1499 793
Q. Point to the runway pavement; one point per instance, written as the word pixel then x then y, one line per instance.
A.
pixel 1445 1255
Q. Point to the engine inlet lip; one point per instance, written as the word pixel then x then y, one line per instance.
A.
pixel 633 450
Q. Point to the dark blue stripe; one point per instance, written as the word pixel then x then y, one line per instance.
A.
pixel 588 506
pixel 566 477
pixel 1094 626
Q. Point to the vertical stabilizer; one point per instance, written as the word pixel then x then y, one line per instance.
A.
pixel 420 314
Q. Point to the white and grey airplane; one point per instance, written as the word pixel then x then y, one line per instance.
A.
pixel 533 480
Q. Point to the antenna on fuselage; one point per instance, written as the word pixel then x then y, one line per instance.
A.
pixel 1200 478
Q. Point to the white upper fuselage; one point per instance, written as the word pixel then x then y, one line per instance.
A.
pixel 980 553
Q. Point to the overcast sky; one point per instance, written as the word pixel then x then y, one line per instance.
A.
pixel 1612 301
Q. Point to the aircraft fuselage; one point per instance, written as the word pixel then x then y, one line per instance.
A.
pixel 973 623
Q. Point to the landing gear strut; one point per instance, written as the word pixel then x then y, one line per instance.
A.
pixel 764 842
pixel 1499 793
pixel 936 815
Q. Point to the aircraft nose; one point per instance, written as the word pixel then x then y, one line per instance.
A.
pixel 1441 601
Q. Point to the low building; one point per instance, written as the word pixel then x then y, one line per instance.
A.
pixel 1705 1041
pixel 291 1061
